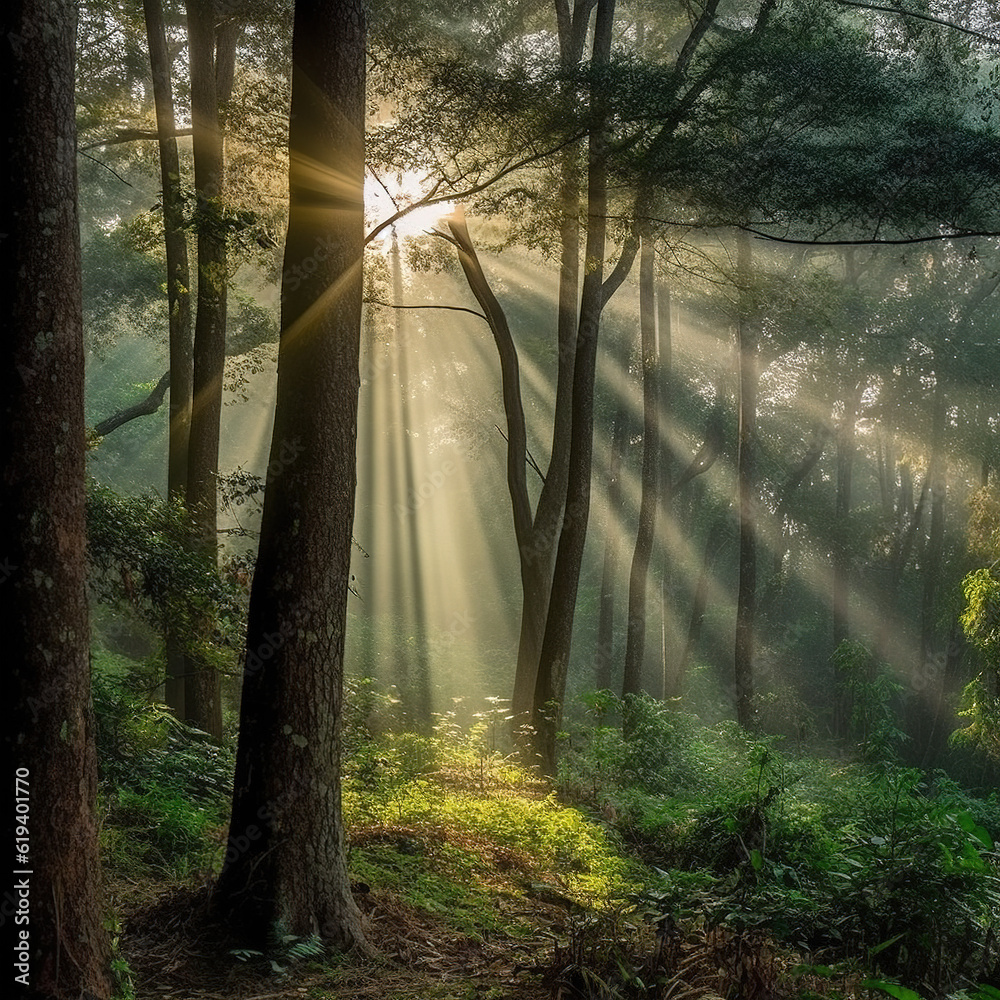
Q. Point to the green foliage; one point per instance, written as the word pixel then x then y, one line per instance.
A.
pixel 121 284
pixel 121 971
pixel 981 618
pixel 140 744
pixel 870 864
pixel 142 561
pixel 160 832
pixel 981 698
pixel 440 819
pixel 666 750
pixel 284 950
pixel 869 689
pixel 165 785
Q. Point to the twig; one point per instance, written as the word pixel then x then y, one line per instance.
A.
pixel 106 167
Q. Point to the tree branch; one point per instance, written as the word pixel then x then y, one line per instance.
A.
pixel 131 135
pixel 101 163
pixel 621 270
pixel 921 17
pixel 964 234
pixel 517 439
pixel 457 196
pixel 391 305
pixel 141 409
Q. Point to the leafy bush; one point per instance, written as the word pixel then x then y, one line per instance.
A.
pixel 142 562
pixel 142 744
pixel 867 863
pixel 868 688
pixel 159 830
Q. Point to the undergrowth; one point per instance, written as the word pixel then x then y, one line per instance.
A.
pixel 865 866
pixel 674 847
pixel 456 827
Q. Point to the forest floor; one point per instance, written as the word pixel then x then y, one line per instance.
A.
pixel 174 951
pixel 525 940
pixel 477 881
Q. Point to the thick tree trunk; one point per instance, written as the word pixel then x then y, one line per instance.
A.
pixel 181 371
pixel 554 658
pixel 63 951
pixel 635 645
pixel 287 856
pixel 746 472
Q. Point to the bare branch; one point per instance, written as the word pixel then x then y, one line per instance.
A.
pixel 393 305
pixel 922 17
pixel 132 135
pixel 101 163
pixel 961 235
pixel 141 409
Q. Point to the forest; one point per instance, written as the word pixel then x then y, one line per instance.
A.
pixel 502 502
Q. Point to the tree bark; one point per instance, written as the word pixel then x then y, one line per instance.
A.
pixel 210 317
pixel 175 245
pixel 290 865
pixel 181 374
pixel 208 68
pixel 635 645
pixel 43 613
pixel 554 657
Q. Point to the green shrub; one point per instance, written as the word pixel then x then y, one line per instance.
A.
pixel 159 831
pixel 141 743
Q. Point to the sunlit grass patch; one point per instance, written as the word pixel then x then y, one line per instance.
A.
pixel 450 844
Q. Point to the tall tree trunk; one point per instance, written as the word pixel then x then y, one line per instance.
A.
pixel 179 308
pixel 846 447
pixel 63 951
pixel 554 657
pixel 604 658
pixel 287 856
pixel 746 351
pixel 210 317
pixel 932 667
pixel 538 553
pixel 208 68
pixel 669 639
pixel 635 645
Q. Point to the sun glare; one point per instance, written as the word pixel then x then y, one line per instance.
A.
pixel 386 196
